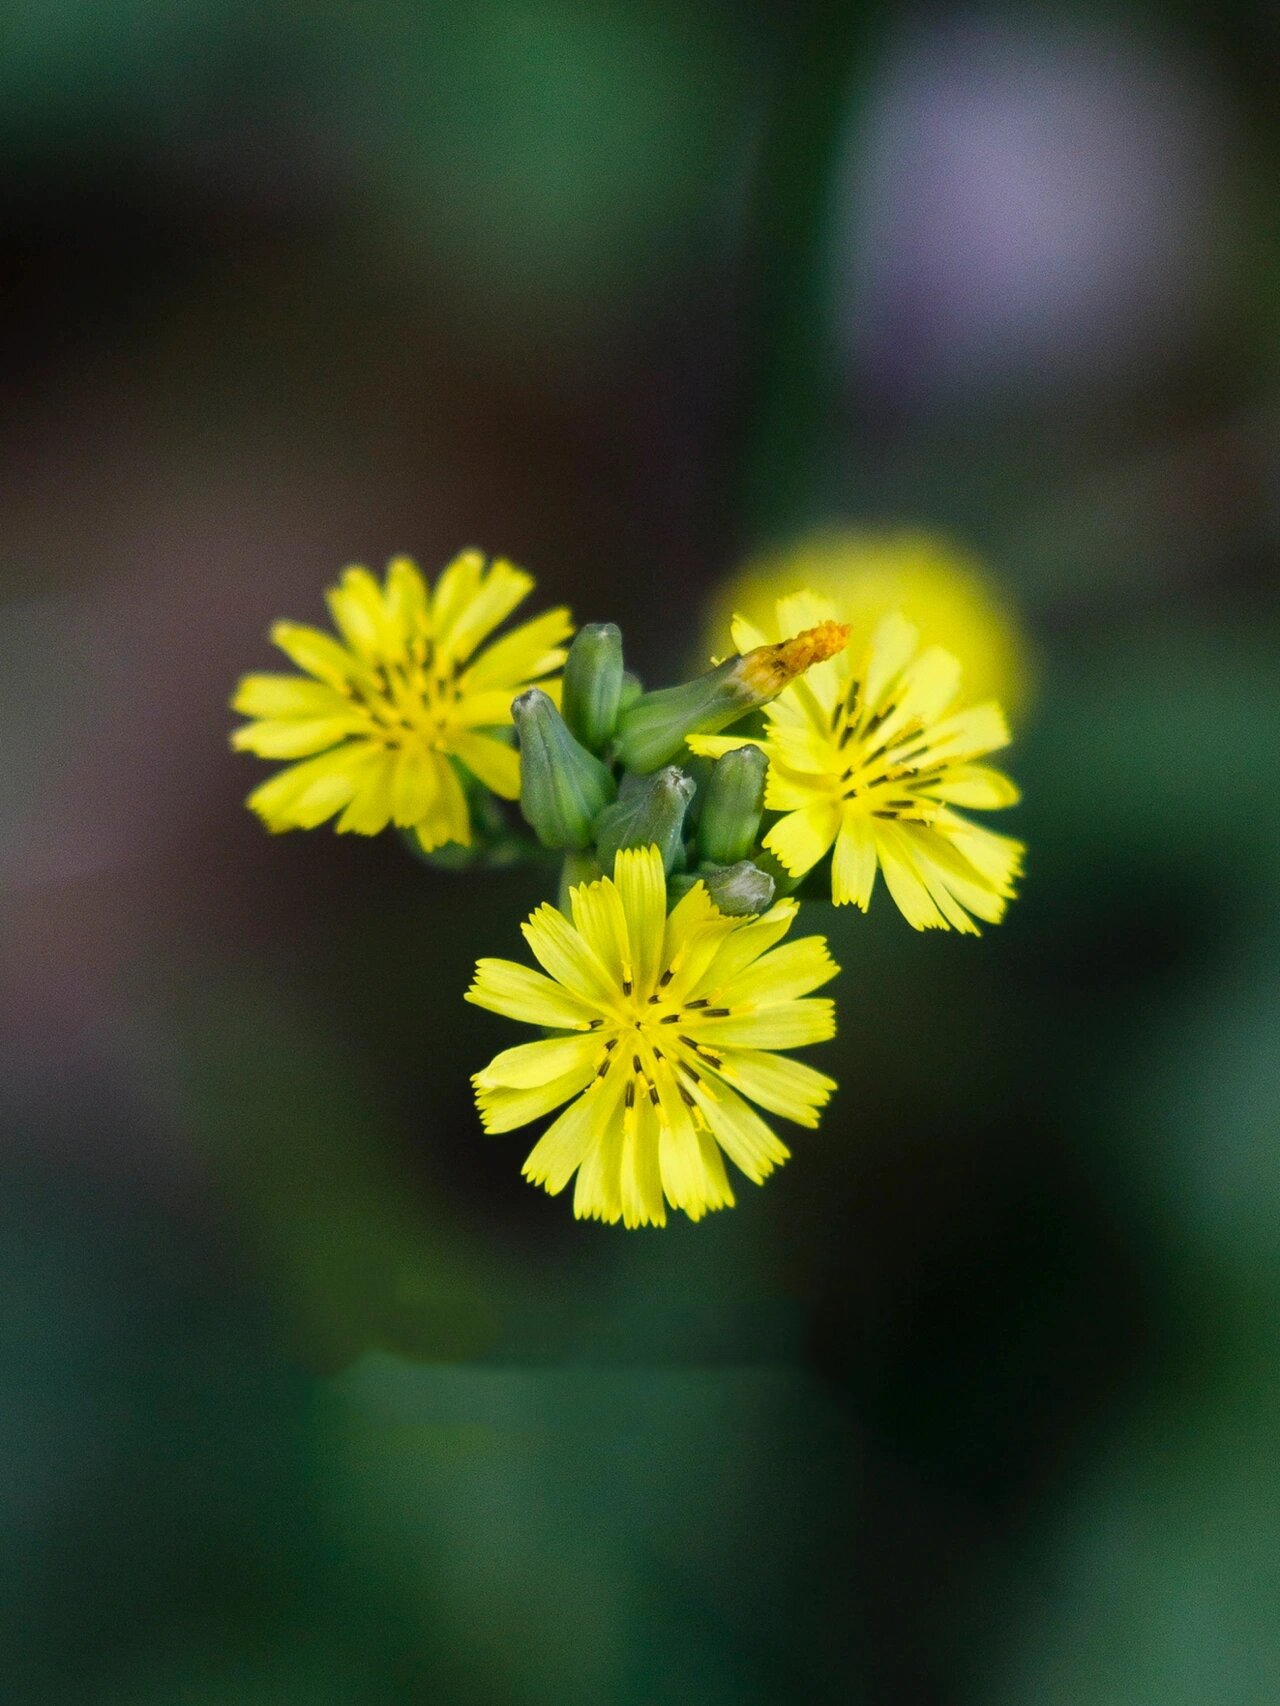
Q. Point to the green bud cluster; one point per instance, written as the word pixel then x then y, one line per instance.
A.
pixel 611 769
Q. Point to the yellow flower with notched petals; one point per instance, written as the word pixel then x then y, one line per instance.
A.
pixel 869 757
pixel 382 714
pixel 665 1024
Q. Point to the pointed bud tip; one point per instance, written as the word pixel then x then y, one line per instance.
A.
pixel 768 669
pixel 672 780
pixel 740 890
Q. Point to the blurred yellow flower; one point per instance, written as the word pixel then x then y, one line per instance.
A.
pixel 661 1021
pixel 867 576
pixel 382 714
pixel 867 756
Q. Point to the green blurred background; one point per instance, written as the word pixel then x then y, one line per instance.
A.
pixel 306 1397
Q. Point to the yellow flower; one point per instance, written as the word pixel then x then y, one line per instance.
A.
pixel 868 756
pixel 870 575
pixel 381 715
pixel 661 1021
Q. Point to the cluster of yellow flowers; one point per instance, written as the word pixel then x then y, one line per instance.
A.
pixel 666 991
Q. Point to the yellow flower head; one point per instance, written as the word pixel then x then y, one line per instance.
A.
pixel 867 755
pixel 869 575
pixel 664 1024
pixel 381 714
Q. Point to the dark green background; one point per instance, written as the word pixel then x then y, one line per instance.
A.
pixel 306 1397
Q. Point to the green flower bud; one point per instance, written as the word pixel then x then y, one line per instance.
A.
pixel 739 890
pixel 593 683
pixel 654 728
pixel 563 788
pixel 632 688
pixel 732 802
pixel 649 812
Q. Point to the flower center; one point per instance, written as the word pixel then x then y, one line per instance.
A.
pixel 413 696
pixel 653 1042
pixel 880 760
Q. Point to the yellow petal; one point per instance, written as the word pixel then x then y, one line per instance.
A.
pixel 974 785
pixel 278 696
pixel 715 746
pixel 741 1133
pixel 787 790
pixel 598 1193
pixel 490 709
pixel 892 646
pixel 530 1064
pixel 306 794
pixel 970 733
pixel 293 737
pixel 719 1192
pixel 599 918
pixel 684 1173
pixel 746 636
pixel 565 955
pixel 800 839
pixel 369 811
pixel 519 992
pixel 853 865
pixel 489 761
pixel 784 1086
pixel 408 604
pixel 454 590
pixel 447 817
pixel 902 879
pixel 357 610
pixel 642 887
pixel 793 1024
pixel 794 969
pixel 929 685
pixel 416 784
pixel 996 858
pixel 496 596
pixel 522 655
pixel 504 1109
pixel 640 1175
pixel 805 609
pixel 578 1139
pixel 752 938
pixel 317 653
